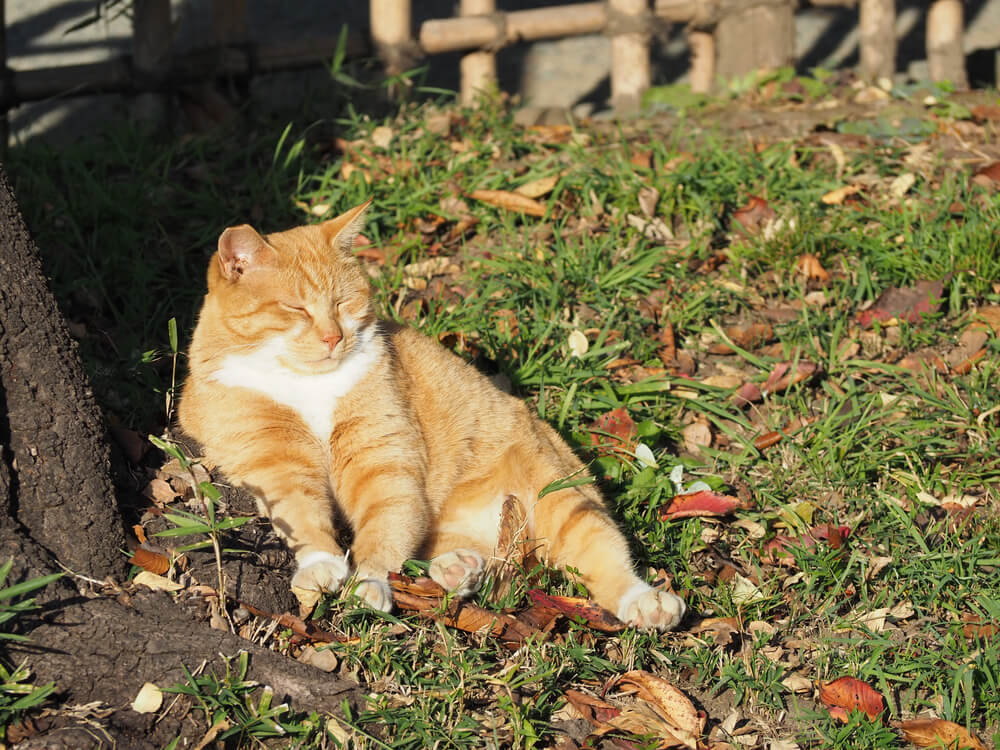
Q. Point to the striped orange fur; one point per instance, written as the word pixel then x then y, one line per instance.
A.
pixel 302 396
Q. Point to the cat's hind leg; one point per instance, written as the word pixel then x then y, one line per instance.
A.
pixel 579 534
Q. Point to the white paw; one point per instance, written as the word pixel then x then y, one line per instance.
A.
pixel 320 571
pixel 646 607
pixel 460 571
pixel 375 593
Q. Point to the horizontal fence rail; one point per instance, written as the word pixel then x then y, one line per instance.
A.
pixel 725 38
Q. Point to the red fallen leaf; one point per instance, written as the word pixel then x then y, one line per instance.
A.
pixel 984 112
pixel 745 336
pixel 747 394
pixel 782 377
pixel 851 694
pixel 596 617
pixel 765 441
pixel 754 215
pixel 374 255
pixel 908 303
pixel 668 350
pixel 975 628
pixel 779 546
pixel 988 176
pixel 701 503
pixel 613 431
pixel 965 366
pixel 838 713
pixel 938 733
pixel 598 712
pixel 151 560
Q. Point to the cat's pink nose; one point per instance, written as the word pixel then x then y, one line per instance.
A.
pixel 332 339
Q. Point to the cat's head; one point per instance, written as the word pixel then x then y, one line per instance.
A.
pixel 301 291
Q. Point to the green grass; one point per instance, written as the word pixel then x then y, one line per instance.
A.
pixel 127 223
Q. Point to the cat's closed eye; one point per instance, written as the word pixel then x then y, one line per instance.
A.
pixel 290 307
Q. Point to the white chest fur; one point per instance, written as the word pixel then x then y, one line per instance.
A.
pixel 313 397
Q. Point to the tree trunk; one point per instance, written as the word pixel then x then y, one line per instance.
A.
pixel 58 507
pixel 60 486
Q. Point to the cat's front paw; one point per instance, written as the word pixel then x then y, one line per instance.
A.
pixel 655 609
pixel 320 571
pixel 459 571
pixel 375 593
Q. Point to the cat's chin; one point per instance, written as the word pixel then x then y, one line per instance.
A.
pixel 318 366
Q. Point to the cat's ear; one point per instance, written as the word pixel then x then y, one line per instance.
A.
pixel 241 249
pixel 340 232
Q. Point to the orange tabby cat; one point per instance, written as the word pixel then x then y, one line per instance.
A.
pixel 304 398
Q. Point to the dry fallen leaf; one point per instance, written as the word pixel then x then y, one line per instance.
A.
pixel 510 201
pixel 156 582
pixel 648 198
pixel 754 216
pixel 938 733
pixel 684 722
pixel 148 700
pixel 382 136
pixel 696 435
pixel 810 267
pixel 538 188
pixel 598 712
pixel 701 503
pixel 836 197
pixel 991 315
pixel 577 343
pixel 849 694
pixel 722 630
pixel 901 185
pixel 426 598
pixel 307 598
pixel 909 303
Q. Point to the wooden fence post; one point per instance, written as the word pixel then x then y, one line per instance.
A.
pixel 479 68
pixel 753 37
pixel 390 22
pixel 877 32
pixel 229 26
pixel 151 37
pixel 629 23
pixel 702 75
pixel 945 53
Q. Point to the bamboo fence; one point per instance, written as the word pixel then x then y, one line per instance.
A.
pixel 725 37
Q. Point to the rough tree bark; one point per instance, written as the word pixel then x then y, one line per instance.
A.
pixel 58 511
